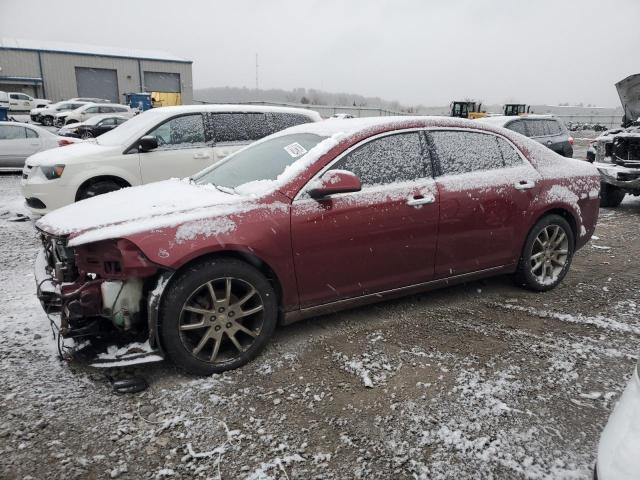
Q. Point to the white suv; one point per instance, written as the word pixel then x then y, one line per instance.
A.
pixel 21 102
pixel 45 115
pixel 86 111
pixel 158 144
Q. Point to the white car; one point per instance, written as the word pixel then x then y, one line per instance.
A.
pixel 619 447
pixel 88 110
pixel 21 140
pixel 158 144
pixel 4 100
pixel 45 115
pixel 21 102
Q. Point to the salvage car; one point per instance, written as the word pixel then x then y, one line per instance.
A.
pixel 619 445
pixel 158 144
pixel 546 129
pixel 314 219
pixel 616 153
pixel 94 127
pixel 45 115
pixel 20 140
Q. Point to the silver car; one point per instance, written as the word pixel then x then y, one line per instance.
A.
pixel 21 140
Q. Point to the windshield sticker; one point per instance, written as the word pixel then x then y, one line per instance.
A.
pixel 295 150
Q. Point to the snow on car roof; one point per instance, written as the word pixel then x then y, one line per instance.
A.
pixel 83 48
pixel 223 107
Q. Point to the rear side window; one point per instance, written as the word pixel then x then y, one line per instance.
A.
pixel 230 127
pixel 393 158
pixel 517 126
pixel 10 132
pixel 552 127
pixel 464 152
pixel 536 128
pixel 279 120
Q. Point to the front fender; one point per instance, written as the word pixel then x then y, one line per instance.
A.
pixel 154 300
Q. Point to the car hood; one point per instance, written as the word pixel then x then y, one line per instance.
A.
pixel 138 209
pixel 629 92
pixel 86 151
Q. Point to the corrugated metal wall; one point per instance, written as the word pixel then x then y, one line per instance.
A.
pixel 59 75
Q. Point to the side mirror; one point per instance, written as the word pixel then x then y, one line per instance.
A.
pixel 148 142
pixel 334 181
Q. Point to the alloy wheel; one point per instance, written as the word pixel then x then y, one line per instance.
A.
pixel 549 254
pixel 221 319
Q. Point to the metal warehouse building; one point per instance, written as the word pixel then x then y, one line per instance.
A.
pixel 58 71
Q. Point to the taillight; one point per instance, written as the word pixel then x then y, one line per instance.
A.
pixel 570 140
pixel 63 142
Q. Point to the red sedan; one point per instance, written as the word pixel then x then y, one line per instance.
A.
pixel 313 219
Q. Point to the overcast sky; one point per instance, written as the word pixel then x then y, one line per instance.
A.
pixel 413 51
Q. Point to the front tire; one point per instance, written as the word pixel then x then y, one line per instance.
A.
pixel 547 254
pixel 98 188
pixel 610 196
pixel 216 316
pixel 47 121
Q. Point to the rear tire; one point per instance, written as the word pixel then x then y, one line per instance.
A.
pixel 547 254
pixel 217 315
pixel 98 188
pixel 610 196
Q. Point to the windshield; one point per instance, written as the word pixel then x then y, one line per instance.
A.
pixel 261 161
pixel 126 132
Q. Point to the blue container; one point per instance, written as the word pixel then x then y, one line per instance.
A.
pixel 3 114
pixel 141 101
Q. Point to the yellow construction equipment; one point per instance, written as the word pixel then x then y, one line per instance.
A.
pixel 466 109
pixel 513 109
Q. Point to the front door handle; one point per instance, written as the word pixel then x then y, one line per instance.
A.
pixel 421 200
pixel 524 185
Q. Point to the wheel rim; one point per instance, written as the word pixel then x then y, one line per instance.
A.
pixel 86 135
pixel 221 320
pixel 549 254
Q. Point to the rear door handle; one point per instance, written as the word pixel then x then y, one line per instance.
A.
pixel 524 184
pixel 421 200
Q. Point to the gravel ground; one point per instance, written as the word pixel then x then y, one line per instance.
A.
pixel 482 380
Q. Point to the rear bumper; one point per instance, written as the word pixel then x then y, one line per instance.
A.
pixel 618 457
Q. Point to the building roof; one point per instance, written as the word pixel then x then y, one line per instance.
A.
pixel 84 49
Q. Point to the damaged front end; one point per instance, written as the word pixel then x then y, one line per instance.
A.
pixel 105 292
pixel 616 154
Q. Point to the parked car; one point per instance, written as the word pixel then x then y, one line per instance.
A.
pixel 21 102
pixel 619 445
pixel 547 130
pixel 316 218
pixel 88 110
pixel 94 127
pixel 89 100
pixel 20 140
pixel 4 100
pixel 158 144
pixel 45 115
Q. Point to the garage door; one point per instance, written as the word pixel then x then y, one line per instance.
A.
pixel 98 83
pixel 161 82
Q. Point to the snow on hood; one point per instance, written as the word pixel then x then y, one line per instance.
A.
pixel 137 209
pixel 629 92
pixel 77 152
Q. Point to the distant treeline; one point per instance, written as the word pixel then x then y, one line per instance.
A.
pixel 297 95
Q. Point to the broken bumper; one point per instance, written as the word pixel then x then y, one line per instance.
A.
pixel 618 176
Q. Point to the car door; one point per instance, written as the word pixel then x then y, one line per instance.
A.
pixel 16 144
pixel 231 131
pixel 184 148
pixel 380 238
pixel 104 126
pixel 486 190
pixel 88 113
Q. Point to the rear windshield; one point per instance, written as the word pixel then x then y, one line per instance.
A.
pixel 261 161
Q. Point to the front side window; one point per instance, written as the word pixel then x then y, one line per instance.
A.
pixel 106 121
pixel 31 133
pixel 461 152
pixel 91 110
pixel 186 131
pixel 106 110
pixel 10 132
pixel 394 158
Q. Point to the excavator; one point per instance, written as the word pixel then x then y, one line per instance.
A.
pixel 466 109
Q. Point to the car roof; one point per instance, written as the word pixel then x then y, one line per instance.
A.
pixel 500 120
pixel 28 125
pixel 374 125
pixel 236 108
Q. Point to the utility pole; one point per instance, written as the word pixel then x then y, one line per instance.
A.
pixel 257 84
